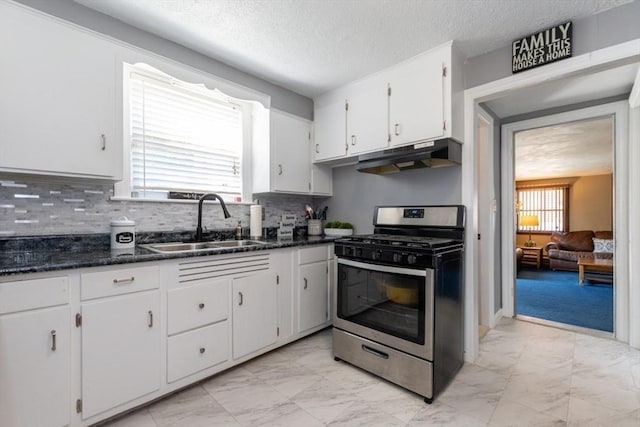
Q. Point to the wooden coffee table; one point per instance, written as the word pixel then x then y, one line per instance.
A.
pixel 593 265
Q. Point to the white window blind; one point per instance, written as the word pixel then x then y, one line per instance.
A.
pixel 183 140
pixel 549 204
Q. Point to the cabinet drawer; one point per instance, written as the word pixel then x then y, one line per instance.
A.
pixel 36 293
pixel 199 305
pixel 196 350
pixel 313 254
pixel 116 282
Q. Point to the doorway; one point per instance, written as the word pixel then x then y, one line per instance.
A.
pixel 567 81
pixel 564 223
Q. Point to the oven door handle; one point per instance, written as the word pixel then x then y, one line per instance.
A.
pixel 383 268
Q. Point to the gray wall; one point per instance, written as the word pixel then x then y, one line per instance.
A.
pixel 608 28
pixel 355 194
pixel 281 98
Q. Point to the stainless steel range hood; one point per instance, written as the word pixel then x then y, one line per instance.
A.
pixel 431 154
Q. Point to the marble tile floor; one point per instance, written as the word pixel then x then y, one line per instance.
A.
pixel 525 375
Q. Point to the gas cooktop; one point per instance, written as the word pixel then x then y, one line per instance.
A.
pixel 424 242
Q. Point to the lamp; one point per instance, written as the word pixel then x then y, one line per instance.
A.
pixel 529 221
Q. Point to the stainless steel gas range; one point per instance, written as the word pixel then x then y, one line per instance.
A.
pixel 398 303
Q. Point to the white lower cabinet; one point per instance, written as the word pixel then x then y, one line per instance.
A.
pixel 255 313
pixel 198 327
pixel 313 287
pixel 79 347
pixel 196 350
pixel 314 294
pixel 35 363
pixel 120 350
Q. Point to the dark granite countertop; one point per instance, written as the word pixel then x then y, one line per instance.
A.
pixel 52 253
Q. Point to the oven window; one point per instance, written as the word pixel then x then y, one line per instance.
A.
pixel 386 302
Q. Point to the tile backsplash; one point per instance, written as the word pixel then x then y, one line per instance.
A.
pixel 33 207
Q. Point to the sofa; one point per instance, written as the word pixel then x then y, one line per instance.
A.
pixel 565 248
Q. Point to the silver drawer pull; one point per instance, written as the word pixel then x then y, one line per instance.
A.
pixel 123 281
pixel 306 284
pixel 375 352
pixel 201 305
pixel 202 350
pixel 241 298
pixel 397 129
pixel 53 340
pixel 103 138
pixel 150 319
pixel 317 148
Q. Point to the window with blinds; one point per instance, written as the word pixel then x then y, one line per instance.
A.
pixel 549 204
pixel 184 139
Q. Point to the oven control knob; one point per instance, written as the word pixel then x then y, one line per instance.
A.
pixel 411 259
pixel 376 254
pixel 397 257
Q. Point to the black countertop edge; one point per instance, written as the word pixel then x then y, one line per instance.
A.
pixel 45 260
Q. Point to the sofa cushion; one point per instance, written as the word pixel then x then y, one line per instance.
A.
pixel 574 240
pixel 603 245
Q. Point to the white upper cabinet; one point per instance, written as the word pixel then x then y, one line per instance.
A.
pixel 330 118
pixel 417 100
pixel 283 164
pixel 291 137
pixel 367 121
pixel 58 103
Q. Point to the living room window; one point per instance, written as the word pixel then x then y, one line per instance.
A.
pixel 183 139
pixel 549 204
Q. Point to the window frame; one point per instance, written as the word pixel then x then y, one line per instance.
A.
pixel 521 210
pixel 251 105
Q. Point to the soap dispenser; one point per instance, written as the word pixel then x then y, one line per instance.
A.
pixel 239 231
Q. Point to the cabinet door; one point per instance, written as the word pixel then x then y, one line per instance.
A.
pixel 254 313
pixel 367 120
pixel 58 103
pixel 313 303
pixel 282 263
pixel 330 122
pixel 321 180
pixel 120 350
pixel 291 137
pixel 416 104
pixel 35 360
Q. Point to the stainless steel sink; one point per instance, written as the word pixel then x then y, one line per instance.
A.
pixel 236 243
pixel 177 247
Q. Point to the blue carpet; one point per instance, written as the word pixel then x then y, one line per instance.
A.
pixel 557 296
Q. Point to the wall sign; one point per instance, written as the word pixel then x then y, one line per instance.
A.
pixel 544 47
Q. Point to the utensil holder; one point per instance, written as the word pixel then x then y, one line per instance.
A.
pixel 314 227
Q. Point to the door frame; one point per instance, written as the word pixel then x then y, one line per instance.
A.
pixel 487 211
pixel 619 110
pixel 582 64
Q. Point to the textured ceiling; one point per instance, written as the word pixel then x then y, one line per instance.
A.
pixel 311 46
pixel 570 149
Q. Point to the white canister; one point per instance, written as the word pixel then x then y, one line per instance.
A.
pixel 123 233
